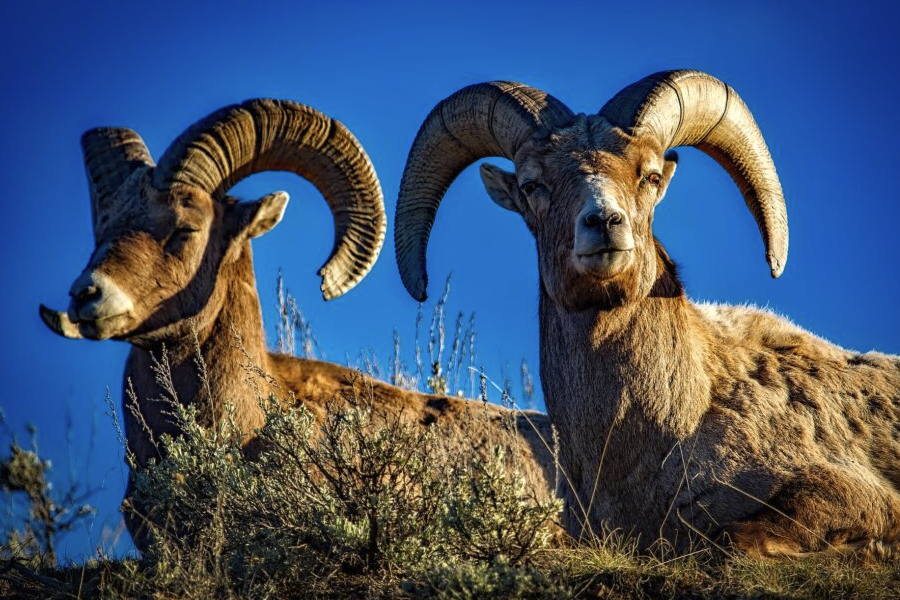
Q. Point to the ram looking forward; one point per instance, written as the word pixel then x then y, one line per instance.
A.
pixel 677 420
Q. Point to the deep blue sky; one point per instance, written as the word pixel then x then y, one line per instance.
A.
pixel 821 80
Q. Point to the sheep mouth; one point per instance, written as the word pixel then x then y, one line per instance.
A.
pixel 104 327
pixel 93 329
pixel 603 262
pixel 600 251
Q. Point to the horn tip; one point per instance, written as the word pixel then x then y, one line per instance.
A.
pixel 46 314
pixel 328 289
pixel 776 265
pixel 334 286
pixel 418 292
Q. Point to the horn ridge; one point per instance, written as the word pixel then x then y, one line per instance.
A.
pixel 478 121
pixel 280 135
pixel 111 155
pixel 692 108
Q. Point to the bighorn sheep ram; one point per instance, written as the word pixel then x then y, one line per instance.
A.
pixel 172 267
pixel 677 420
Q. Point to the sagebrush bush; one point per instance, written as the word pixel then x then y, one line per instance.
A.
pixel 485 516
pixel 361 493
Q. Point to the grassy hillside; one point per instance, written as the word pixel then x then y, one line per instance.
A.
pixel 365 505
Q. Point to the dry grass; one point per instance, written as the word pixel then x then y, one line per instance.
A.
pixel 596 572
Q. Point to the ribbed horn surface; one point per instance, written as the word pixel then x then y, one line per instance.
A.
pixel 111 155
pixel 276 135
pixel 487 119
pixel 691 108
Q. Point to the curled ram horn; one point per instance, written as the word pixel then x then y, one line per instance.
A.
pixel 277 135
pixel 690 108
pixel 111 155
pixel 487 119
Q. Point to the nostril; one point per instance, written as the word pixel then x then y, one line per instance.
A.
pixel 86 294
pixel 597 220
pixel 593 219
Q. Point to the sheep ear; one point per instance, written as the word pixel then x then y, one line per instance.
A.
pixel 501 186
pixel 257 218
pixel 671 161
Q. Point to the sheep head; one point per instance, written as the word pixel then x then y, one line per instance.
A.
pixel 164 233
pixel 587 194
pixel 586 185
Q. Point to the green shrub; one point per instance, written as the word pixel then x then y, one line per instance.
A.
pixel 485 516
pixel 361 496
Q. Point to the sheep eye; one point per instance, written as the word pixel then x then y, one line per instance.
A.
pixel 178 238
pixel 529 187
pixel 654 178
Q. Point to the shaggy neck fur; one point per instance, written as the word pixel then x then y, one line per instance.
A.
pixel 617 383
pixel 229 334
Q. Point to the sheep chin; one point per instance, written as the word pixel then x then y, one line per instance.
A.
pixel 115 326
pixel 605 264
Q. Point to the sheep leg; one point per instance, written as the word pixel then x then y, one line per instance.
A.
pixel 825 509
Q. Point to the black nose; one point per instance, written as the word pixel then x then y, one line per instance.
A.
pixel 596 219
pixel 85 294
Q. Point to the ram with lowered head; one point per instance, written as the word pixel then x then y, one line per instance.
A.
pixel 678 421
pixel 172 269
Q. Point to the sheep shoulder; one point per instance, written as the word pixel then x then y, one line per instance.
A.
pixel 757 355
pixel 818 426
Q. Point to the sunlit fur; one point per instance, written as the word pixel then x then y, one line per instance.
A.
pixel 692 422
pixel 185 260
